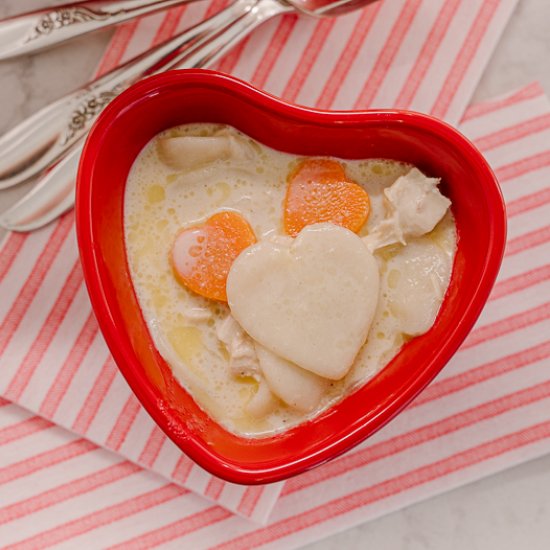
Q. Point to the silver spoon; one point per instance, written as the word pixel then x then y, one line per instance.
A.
pixel 41 29
pixel 57 131
pixel 42 139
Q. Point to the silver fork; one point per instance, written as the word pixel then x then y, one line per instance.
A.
pixel 41 29
pixel 65 123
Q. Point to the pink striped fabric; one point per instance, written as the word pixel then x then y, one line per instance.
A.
pixel 425 55
pixel 488 410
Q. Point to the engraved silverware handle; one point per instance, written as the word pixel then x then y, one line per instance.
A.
pixel 53 193
pixel 37 30
pixel 31 147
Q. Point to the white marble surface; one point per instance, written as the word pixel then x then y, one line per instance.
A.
pixel 507 511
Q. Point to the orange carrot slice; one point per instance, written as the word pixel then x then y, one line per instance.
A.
pixel 203 254
pixel 319 191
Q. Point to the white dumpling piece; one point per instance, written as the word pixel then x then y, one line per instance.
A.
pixel 192 152
pixel 310 301
pixel 263 401
pixel 298 388
pixel 415 281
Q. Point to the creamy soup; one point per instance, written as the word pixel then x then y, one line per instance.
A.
pixel 242 361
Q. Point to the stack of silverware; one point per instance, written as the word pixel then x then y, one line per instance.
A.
pixel 46 147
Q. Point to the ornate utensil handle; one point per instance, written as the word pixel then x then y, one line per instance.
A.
pixel 37 30
pixel 28 149
pixel 200 47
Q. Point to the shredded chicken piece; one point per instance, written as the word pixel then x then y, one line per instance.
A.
pixel 243 360
pixel 414 207
pixel 198 314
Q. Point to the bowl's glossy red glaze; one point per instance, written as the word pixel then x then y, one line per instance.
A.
pixel 178 97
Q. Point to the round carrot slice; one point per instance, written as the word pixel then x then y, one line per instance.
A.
pixel 319 191
pixel 203 254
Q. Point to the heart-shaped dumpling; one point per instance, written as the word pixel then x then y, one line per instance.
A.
pixel 310 301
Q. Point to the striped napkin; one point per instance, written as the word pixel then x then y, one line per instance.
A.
pixel 488 410
pixel 418 54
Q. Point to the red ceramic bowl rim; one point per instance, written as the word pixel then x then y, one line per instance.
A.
pixel 143 390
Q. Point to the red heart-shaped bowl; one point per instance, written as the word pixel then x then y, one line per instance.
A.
pixel 179 97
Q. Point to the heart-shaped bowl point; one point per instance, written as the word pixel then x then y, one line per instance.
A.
pixel 181 97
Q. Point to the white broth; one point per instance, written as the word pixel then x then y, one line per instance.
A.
pixel 197 335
